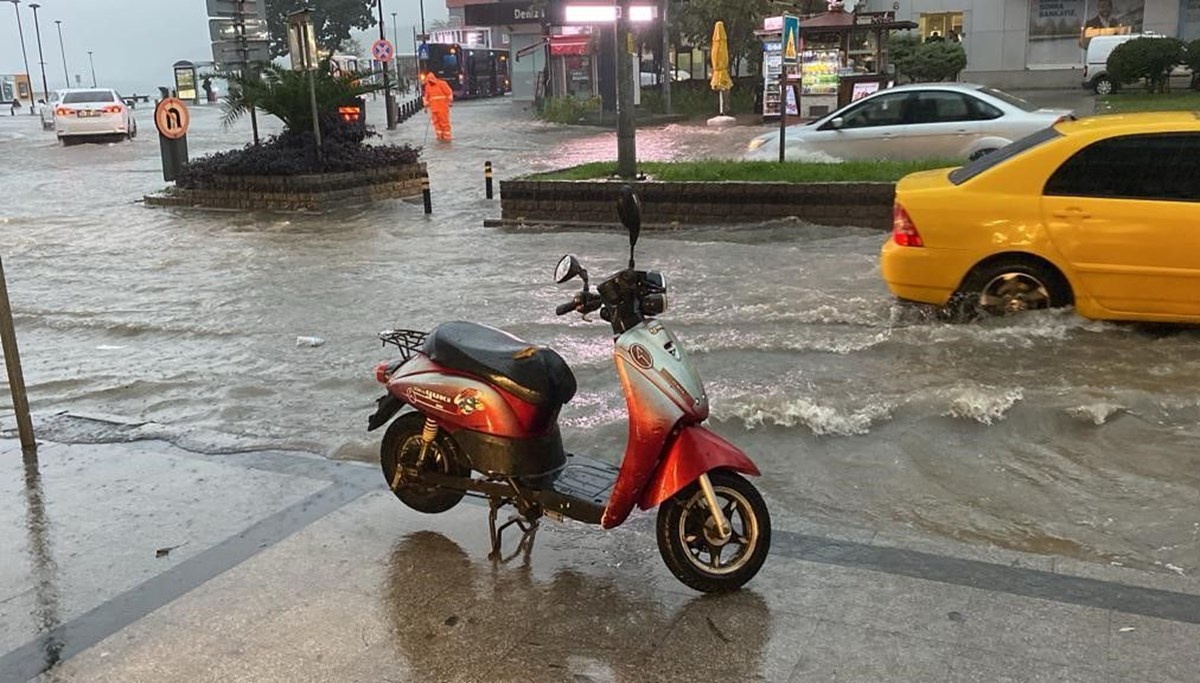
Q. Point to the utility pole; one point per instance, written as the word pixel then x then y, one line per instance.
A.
pixel 396 50
pixel 93 65
pixel 16 381
pixel 63 51
pixel 41 60
pixel 626 126
pixel 668 69
pixel 389 99
pixel 28 73
pixel 239 22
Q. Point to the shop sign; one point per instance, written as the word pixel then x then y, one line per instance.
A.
pixel 511 13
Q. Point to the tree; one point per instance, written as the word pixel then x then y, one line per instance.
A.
pixel 1148 58
pixel 937 60
pixel 694 21
pixel 1192 60
pixel 284 94
pixel 333 19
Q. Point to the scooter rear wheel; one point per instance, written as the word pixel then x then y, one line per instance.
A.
pixel 402 443
pixel 692 548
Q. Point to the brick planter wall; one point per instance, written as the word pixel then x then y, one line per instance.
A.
pixel 866 205
pixel 298 193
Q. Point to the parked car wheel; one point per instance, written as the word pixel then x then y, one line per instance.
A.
pixel 982 153
pixel 1104 85
pixel 1008 286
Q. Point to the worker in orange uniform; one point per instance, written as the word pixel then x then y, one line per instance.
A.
pixel 438 97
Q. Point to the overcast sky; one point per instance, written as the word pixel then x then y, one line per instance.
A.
pixel 134 42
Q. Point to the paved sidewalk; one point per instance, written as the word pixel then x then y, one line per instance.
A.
pixel 142 562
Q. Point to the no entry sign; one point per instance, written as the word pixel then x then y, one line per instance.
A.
pixel 382 50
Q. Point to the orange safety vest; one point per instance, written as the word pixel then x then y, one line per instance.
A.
pixel 438 92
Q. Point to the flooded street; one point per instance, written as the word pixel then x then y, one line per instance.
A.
pixel 1047 433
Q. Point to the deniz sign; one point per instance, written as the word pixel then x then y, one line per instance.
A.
pixel 508 13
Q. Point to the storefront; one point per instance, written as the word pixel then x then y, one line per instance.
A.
pixel 573 66
pixel 1029 43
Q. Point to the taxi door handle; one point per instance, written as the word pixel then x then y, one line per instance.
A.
pixel 1072 212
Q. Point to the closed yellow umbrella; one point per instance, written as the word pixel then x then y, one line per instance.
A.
pixel 720 62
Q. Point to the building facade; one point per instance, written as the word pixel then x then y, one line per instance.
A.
pixel 1038 43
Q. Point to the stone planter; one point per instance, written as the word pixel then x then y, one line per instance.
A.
pixel 666 204
pixel 314 193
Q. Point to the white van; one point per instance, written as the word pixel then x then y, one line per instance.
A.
pixel 1095 65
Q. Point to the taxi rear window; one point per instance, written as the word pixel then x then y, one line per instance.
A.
pixel 961 175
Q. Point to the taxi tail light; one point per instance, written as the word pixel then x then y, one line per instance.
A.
pixel 63 111
pixel 113 109
pixel 904 231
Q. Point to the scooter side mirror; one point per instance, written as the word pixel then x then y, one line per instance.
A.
pixel 568 267
pixel 629 208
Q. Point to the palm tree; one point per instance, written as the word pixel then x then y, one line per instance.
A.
pixel 284 94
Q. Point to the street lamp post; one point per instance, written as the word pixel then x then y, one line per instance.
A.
pixel 396 48
pixel 93 65
pixel 63 51
pixel 28 75
pixel 41 60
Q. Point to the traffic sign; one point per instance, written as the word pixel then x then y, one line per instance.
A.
pixel 230 51
pixel 232 8
pixel 791 40
pixel 171 118
pixel 382 50
pixel 227 29
pixel 423 52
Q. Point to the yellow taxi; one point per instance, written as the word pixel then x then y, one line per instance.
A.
pixel 1101 212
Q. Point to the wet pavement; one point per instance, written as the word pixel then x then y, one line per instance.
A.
pixel 1063 445
pixel 306 570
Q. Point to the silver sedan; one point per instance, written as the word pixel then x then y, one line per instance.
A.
pixel 925 120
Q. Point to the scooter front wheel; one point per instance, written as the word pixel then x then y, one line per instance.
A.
pixel 693 548
pixel 402 444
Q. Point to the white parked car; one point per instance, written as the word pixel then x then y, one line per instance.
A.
pixel 46 110
pixel 91 113
pixel 918 121
pixel 651 78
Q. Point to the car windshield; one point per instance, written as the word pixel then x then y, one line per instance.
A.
pixel 88 96
pixel 1013 100
pixel 961 175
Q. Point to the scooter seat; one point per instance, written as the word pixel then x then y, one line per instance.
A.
pixel 531 373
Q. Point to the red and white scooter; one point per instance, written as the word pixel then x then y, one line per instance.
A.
pixel 483 420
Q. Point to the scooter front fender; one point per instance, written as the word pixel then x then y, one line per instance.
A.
pixel 695 451
pixel 388 406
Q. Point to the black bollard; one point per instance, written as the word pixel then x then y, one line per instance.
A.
pixel 487 178
pixel 426 196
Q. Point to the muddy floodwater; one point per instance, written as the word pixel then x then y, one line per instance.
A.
pixel 1045 433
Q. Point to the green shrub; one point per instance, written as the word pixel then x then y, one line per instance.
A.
pixel 901 47
pixel 695 99
pixel 568 109
pixel 938 61
pixel 1191 58
pixel 1146 58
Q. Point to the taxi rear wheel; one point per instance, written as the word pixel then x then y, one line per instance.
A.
pixel 1007 287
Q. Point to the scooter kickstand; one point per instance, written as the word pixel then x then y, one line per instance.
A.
pixel 527 526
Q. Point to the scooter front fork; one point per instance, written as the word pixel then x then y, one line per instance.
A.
pixel 429 432
pixel 710 496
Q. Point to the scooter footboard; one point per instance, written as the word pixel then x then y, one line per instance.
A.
pixel 695 451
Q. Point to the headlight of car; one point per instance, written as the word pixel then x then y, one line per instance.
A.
pixel 758 142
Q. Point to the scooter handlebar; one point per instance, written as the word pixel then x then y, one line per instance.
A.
pixel 584 302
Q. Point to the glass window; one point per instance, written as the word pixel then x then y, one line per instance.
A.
pixel 938 107
pixel 1010 99
pixel 885 110
pixel 1159 166
pixel 961 175
pixel 88 96
pixel 983 110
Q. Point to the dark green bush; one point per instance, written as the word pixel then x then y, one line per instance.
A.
pixel 293 153
pixel 695 99
pixel 901 47
pixel 1191 58
pixel 568 109
pixel 1146 58
pixel 937 61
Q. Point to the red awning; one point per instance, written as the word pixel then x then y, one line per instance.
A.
pixel 570 45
